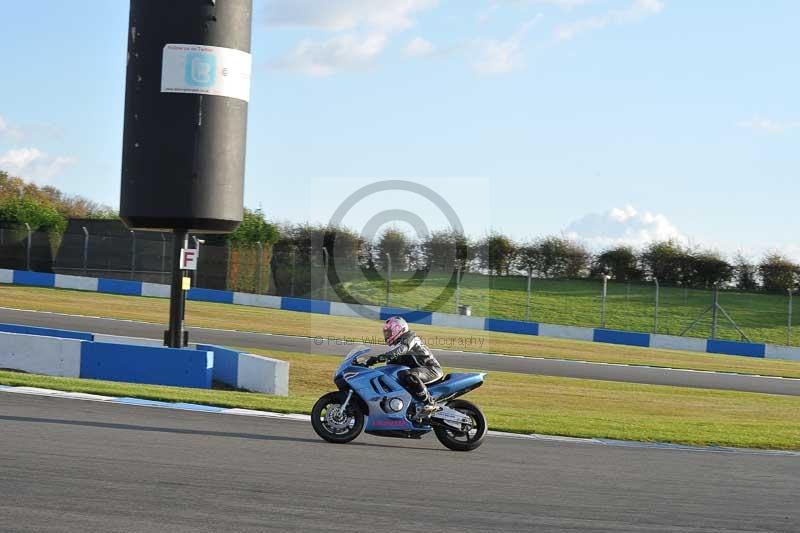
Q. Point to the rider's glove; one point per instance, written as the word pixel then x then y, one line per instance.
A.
pixel 371 361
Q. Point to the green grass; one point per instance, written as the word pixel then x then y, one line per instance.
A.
pixel 527 404
pixel 762 317
pixel 242 318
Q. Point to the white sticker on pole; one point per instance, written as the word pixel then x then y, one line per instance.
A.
pixel 189 257
pixel 199 69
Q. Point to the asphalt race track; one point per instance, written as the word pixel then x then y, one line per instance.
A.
pixel 71 465
pixel 489 362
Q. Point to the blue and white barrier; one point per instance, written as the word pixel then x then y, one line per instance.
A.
pixel 249 372
pixel 627 338
pixel 36 354
pixel 85 355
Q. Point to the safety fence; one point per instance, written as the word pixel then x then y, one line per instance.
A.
pixel 323 307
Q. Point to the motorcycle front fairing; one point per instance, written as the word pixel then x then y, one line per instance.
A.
pixel 377 387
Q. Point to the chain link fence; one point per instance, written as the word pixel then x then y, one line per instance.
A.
pixel 99 250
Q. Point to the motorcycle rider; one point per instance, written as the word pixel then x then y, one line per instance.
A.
pixel 407 349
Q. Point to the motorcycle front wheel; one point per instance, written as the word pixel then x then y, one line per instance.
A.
pixel 331 423
pixel 472 437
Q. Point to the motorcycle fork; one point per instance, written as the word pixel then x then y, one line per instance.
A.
pixel 347 401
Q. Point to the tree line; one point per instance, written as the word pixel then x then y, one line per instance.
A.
pixel 297 248
pixel 550 257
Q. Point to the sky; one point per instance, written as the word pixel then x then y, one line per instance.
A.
pixel 608 121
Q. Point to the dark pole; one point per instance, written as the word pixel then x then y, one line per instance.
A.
pixel 177 303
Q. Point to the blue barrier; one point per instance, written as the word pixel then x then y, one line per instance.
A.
pixel 134 288
pixel 46 332
pixel 301 305
pixel 411 316
pixel 120 286
pixel 627 338
pixel 210 295
pixel 145 364
pixel 226 364
pixel 735 348
pixel 512 326
pixel 35 279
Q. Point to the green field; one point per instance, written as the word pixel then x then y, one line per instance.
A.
pixel 260 320
pixel 762 317
pixel 527 404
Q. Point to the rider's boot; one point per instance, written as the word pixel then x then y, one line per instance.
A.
pixel 426 407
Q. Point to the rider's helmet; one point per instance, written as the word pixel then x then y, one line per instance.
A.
pixel 393 329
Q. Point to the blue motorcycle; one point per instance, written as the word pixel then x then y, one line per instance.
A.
pixel 374 397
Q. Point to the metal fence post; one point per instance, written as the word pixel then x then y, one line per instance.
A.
pixel 28 251
pixel 528 304
pixel 259 266
pixel 655 316
pixel 606 277
pixel 133 253
pixel 163 256
pixel 715 313
pixel 325 261
pixel 85 250
pixel 789 322
pixel 294 267
pixel 197 243
pixel 388 279
pixel 458 289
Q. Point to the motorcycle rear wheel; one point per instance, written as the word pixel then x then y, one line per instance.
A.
pixel 463 441
pixel 332 425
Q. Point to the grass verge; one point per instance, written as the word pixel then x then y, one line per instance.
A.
pixel 211 315
pixel 527 404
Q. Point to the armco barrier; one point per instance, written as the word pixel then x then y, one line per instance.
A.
pixel 627 338
pixel 52 356
pixel 735 348
pixel 446 320
pixel 306 306
pixel 672 342
pixel 210 295
pixel 512 326
pixel 262 374
pixel 249 372
pixel 418 317
pixel 226 364
pixel 411 316
pixel 77 283
pixel 46 332
pixel 144 364
pixel 566 332
pixel 120 286
pixel 34 279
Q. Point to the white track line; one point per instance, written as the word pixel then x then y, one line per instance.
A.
pixel 35 391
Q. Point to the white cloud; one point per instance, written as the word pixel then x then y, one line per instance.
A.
pixel 342 52
pixel 361 30
pixel 768 125
pixel 625 225
pixel 501 56
pixel 340 15
pixel 9 131
pixel 419 47
pixel 33 164
pixel 562 4
pixel 637 11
